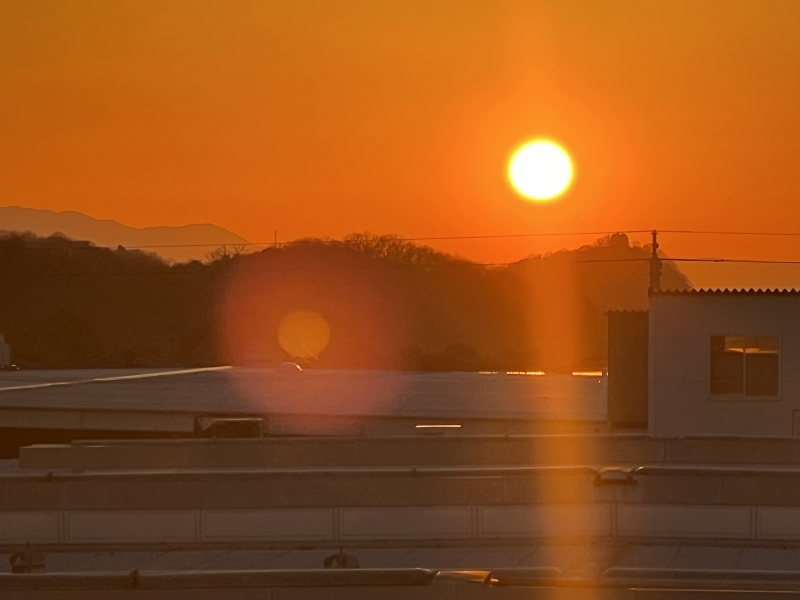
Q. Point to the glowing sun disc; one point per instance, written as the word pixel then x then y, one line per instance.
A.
pixel 540 170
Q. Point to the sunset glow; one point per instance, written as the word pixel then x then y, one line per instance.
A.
pixel 540 170
pixel 352 292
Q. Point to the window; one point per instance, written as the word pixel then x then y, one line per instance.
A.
pixel 744 366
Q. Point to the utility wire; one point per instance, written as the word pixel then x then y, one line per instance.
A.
pixel 167 271
pixel 735 260
pixel 758 233
pixel 443 238
pixel 521 235
pixel 367 241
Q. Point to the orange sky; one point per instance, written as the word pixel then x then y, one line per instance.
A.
pixel 397 116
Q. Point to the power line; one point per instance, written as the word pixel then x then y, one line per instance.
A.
pixel 522 235
pixel 389 265
pixel 702 260
pixel 604 260
pixel 471 237
pixel 735 260
pixel 404 239
pixel 692 259
pixel 168 271
pixel 758 233
pixel 274 244
pixel 359 241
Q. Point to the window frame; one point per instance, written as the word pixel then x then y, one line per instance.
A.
pixel 743 397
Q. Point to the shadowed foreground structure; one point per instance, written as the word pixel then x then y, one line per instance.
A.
pixel 452 516
pixel 545 527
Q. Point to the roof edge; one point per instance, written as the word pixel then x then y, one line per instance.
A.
pixel 726 291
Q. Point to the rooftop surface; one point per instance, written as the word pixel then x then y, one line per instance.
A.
pixel 572 559
pixel 312 391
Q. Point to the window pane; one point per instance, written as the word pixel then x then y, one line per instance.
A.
pixel 727 365
pixel 762 367
pixel 766 343
pixel 735 343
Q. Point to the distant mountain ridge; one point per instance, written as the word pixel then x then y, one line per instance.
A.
pixel 106 232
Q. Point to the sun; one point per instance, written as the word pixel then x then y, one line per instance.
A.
pixel 540 170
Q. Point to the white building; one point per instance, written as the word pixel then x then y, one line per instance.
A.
pixel 724 363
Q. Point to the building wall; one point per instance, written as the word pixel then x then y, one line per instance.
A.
pixel 332 508
pixel 679 398
pixel 627 368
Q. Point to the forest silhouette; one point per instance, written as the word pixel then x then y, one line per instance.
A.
pixel 390 304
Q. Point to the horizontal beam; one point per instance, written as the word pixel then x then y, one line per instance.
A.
pixel 481 584
pixel 287 452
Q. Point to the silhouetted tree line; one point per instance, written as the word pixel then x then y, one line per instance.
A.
pixel 389 303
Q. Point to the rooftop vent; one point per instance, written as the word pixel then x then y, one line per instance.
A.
pixel 27 560
pixel 341 560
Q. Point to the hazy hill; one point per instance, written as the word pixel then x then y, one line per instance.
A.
pixel 78 226
pixel 386 302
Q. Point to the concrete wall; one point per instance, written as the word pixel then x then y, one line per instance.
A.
pixel 395 524
pixel 292 508
pixel 681 325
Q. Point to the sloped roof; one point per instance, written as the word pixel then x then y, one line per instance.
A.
pixel 729 292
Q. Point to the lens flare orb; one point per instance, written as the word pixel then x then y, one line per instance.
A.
pixel 304 334
pixel 540 170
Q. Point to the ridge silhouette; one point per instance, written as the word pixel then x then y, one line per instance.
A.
pixel 106 232
pixel 390 303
